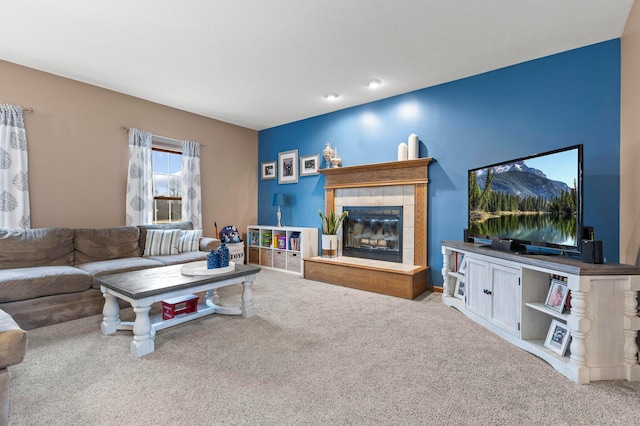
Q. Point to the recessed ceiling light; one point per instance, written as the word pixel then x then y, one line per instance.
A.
pixel 332 96
pixel 374 84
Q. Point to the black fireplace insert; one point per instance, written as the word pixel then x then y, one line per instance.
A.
pixel 373 233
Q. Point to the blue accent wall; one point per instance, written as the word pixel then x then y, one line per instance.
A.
pixel 554 102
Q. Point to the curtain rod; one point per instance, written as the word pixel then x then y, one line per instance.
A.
pixel 163 138
pixel 24 109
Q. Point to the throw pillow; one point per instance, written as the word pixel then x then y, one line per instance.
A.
pixel 161 242
pixel 189 240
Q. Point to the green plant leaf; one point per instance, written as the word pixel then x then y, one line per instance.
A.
pixel 331 222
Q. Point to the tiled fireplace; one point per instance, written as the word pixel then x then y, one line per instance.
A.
pixel 401 184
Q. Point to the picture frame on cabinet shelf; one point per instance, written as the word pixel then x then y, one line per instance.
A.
pixel 309 165
pixel 462 265
pixel 460 289
pixel 557 295
pixel 558 337
pixel 268 170
pixel 288 166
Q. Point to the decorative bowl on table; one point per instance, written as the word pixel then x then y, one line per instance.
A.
pixel 200 268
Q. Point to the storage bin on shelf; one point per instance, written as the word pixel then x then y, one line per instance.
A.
pixel 294 262
pixel 266 258
pixel 280 259
pixel 254 255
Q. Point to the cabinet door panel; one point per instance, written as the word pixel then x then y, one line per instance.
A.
pixel 478 287
pixel 506 298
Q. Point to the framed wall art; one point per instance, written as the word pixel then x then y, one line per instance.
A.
pixel 309 165
pixel 268 170
pixel 288 166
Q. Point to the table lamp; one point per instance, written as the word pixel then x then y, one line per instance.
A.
pixel 279 200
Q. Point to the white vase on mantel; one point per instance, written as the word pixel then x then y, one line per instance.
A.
pixel 413 149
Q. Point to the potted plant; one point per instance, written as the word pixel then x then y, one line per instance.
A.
pixel 330 225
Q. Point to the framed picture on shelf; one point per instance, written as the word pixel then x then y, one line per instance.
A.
pixel 557 295
pixel 309 165
pixel 558 337
pixel 459 291
pixel 462 265
pixel 288 166
pixel 268 170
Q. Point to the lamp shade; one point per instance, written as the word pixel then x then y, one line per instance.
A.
pixel 278 199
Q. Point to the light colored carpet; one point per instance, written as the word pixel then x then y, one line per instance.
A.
pixel 316 354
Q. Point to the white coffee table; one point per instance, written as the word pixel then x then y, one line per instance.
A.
pixel 145 287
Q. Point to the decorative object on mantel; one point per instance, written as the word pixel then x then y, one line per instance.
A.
pixel 327 153
pixel 413 151
pixel 336 160
pixel 330 225
pixel 402 151
pixel 279 199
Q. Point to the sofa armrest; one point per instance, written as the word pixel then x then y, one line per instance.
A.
pixel 13 341
pixel 207 244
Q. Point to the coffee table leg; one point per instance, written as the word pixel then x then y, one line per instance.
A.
pixel 248 309
pixel 144 335
pixel 110 312
pixel 212 296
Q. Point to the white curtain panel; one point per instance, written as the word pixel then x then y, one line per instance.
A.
pixel 139 180
pixel 191 193
pixel 15 212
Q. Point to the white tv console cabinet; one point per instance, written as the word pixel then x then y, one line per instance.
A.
pixel 506 292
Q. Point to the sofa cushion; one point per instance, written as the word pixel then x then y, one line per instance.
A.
pixel 189 240
pixel 13 341
pixel 29 283
pixel 116 266
pixel 36 247
pixel 161 242
pixel 105 244
pixel 174 225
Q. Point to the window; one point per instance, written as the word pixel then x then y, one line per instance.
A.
pixel 167 174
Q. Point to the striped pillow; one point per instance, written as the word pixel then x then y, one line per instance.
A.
pixel 189 240
pixel 161 242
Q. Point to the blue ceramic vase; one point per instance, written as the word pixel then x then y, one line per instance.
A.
pixel 213 262
pixel 223 256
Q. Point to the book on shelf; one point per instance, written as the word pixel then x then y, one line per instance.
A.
pixel 294 241
pixel 266 239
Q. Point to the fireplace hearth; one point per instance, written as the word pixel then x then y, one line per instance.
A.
pixel 373 232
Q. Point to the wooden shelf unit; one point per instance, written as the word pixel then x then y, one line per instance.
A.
pixel 506 293
pixel 282 248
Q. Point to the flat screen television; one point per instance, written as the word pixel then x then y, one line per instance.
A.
pixel 531 201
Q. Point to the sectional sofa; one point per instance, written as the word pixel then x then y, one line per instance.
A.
pixel 47 274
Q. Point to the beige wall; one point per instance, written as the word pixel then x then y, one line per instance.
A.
pixel 78 154
pixel 630 140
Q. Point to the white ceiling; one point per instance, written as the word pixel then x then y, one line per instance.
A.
pixel 262 63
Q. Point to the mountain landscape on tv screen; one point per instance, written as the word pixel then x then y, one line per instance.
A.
pixel 519 179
